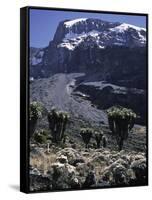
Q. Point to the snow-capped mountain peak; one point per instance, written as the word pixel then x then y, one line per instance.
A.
pixel 92 45
pixel 87 34
pixel 75 21
pixel 124 27
pixel 101 33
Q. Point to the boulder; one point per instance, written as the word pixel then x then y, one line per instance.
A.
pixel 63 176
pixel 34 171
pixel 139 168
pixel 70 153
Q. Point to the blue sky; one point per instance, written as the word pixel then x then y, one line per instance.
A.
pixel 43 23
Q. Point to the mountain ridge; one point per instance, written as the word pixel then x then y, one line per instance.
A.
pixel 86 38
pixel 74 31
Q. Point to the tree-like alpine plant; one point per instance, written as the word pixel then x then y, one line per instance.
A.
pixel 57 124
pixel 104 141
pixel 98 138
pixel 121 121
pixel 35 112
pixel 86 134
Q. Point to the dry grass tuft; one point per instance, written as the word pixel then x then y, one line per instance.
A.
pixel 42 162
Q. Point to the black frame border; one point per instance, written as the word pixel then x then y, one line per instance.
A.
pixel 24 93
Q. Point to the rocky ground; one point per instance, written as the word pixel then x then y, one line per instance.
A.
pixel 71 165
pixel 68 168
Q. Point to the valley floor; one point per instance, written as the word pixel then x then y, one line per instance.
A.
pixel 56 91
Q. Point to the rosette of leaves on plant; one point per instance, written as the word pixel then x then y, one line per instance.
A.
pixel 121 121
pixel 35 112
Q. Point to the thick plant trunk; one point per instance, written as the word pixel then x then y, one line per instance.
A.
pixel 32 126
pixel 98 144
pixel 120 144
